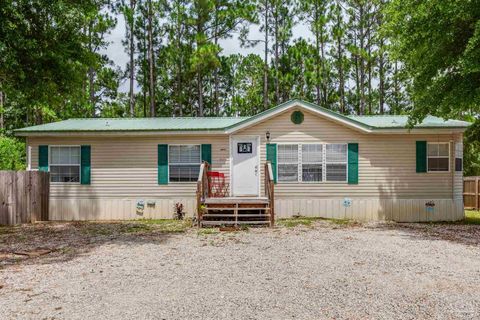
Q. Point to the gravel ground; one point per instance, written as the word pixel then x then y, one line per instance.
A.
pixel 324 271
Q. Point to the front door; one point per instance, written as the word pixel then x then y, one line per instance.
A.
pixel 245 166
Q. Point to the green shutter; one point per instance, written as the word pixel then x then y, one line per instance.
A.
pixel 353 163
pixel 272 157
pixel 207 153
pixel 421 156
pixel 163 164
pixel 43 158
pixel 85 164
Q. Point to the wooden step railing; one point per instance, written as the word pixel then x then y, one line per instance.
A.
pixel 270 191
pixel 202 188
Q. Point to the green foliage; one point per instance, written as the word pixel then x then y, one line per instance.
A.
pixel 471 150
pixel 12 154
pixel 438 43
pixel 472 217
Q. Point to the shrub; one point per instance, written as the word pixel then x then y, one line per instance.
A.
pixel 179 213
pixel 12 154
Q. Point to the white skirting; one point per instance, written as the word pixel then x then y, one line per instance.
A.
pixel 402 210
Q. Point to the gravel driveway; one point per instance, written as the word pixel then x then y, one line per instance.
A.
pixel 320 272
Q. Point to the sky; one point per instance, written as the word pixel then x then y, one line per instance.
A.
pixel 116 52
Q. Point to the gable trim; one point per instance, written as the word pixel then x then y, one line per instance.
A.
pixel 265 115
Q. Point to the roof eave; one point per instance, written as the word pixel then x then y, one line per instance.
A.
pixel 426 130
pixel 106 133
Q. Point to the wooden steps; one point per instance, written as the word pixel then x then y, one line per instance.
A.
pixel 224 223
pixel 235 211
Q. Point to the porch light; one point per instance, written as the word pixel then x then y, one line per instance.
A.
pixel 267 135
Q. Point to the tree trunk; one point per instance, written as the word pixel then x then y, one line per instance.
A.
pixel 369 68
pixel 200 94
pixel 151 60
pixel 324 72
pixel 317 55
pixel 91 88
pixel 132 61
pixel 91 73
pixel 216 103
pixel 144 64
pixel 277 89
pixel 341 79
pixel 361 60
pixel 265 61
pixel 381 80
pixel 357 81
pixel 396 93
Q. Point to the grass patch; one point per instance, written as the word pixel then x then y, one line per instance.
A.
pixel 165 225
pixel 298 221
pixel 307 221
pixel 207 231
pixel 472 217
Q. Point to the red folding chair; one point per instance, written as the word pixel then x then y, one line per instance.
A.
pixel 217 187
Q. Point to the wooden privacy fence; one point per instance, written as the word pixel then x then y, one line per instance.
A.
pixel 471 190
pixel 24 196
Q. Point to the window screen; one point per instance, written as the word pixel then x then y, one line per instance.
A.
pixel 64 164
pixel 438 156
pixel 287 162
pixel 312 162
pixel 184 163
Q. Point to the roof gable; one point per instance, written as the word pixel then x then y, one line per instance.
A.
pixel 294 104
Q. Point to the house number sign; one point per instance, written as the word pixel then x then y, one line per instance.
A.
pixel 244 147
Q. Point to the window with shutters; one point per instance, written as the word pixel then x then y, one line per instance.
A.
pixel 287 162
pixel 336 162
pixel 312 162
pixel 438 156
pixel 64 164
pixel 184 163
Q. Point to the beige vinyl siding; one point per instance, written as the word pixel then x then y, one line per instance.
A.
pixel 126 167
pixel 386 162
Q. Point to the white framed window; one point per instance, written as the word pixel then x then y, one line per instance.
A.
pixel 312 162
pixel 64 164
pixel 184 163
pixel 336 162
pixel 438 156
pixel 287 165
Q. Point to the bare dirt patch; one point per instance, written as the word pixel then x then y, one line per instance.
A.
pixel 316 270
pixel 54 242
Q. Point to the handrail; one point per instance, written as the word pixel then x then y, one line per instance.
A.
pixel 202 188
pixel 270 191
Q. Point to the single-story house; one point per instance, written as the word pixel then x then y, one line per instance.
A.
pixel 323 164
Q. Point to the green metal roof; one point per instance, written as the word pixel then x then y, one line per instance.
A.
pixel 392 122
pixel 221 124
pixel 135 124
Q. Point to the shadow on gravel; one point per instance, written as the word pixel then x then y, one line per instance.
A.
pixel 454 232
pixel 54 242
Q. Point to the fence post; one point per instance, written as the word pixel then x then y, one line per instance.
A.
pixel 477 200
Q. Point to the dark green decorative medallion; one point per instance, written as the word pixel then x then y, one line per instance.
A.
pixel 297 117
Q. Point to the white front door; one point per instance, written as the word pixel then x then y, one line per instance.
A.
pixel 245 166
